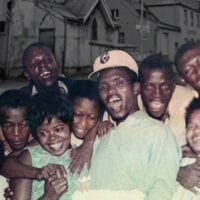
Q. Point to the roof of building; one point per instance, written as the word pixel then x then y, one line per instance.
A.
pixel 80 8
pixel 77 9
pixel 56 9
pixel 134 5
pixel 192 4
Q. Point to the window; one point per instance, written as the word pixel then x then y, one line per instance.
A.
pixel 94 30
pixel 198 22
pixel 47 36
pixel 121 38
pixel 2 26
pixel 186 39
pixel 192 19
pixel 165 43
pixel 115 14
pixel 176 46
pixel 185 17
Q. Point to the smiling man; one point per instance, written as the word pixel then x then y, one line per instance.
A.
pixel 133 155
pixel 41 69
pixel 187 62
pixel 161 97
pixel 157 85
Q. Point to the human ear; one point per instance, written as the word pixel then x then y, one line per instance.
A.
pixel 136 88
pixel 27 76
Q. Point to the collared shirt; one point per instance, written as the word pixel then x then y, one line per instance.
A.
pixel 140 153
pixel 61 86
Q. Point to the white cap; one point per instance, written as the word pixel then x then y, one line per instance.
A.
pixel 113 58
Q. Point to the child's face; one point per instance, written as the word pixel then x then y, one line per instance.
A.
pixel 54 136
pixel 193 130
pixel 15 129
pixel 189 67
pixel 86 115
pixel 156 91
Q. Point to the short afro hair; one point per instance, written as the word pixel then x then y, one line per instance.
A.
pixel 194 105
pixel 156 61
pixel 184 48
pixel 48 106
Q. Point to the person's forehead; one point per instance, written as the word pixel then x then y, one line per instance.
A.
pixel 85 99
pixel 149 72
pixel 15 112
pixel 85 103
pixel 53 120
pixel 195 113
pixel 115 71
pixel 37 51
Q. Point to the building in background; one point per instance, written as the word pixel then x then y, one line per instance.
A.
pixel 182 14
pixel 79 30
pixel 76 31
pixel 141 27
pixel 142 36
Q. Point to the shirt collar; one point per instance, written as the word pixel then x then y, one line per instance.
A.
pixel 61 85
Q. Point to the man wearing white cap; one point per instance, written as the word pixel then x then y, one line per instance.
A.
pixel 140 152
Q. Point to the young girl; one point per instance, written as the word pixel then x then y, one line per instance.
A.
pixel 193 139
pixel 48 119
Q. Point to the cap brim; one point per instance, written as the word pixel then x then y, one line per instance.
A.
pixel 94 76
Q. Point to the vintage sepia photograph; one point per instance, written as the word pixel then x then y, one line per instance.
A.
pixel 99 99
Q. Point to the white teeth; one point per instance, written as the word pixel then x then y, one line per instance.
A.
pixel 45 73
pixel 56 146
pixel 196 139
pixel 156 104
pixel 111 100
pixel 116 105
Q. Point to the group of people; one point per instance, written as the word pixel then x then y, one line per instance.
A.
pixel 128 132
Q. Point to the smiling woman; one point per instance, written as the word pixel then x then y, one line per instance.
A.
pixel 49 121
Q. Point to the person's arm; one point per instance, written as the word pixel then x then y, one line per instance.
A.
pixel 104 127
pixel 55 186
pixel 22 187
pixel 187 151
pixel 189 176
pixel 13 167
